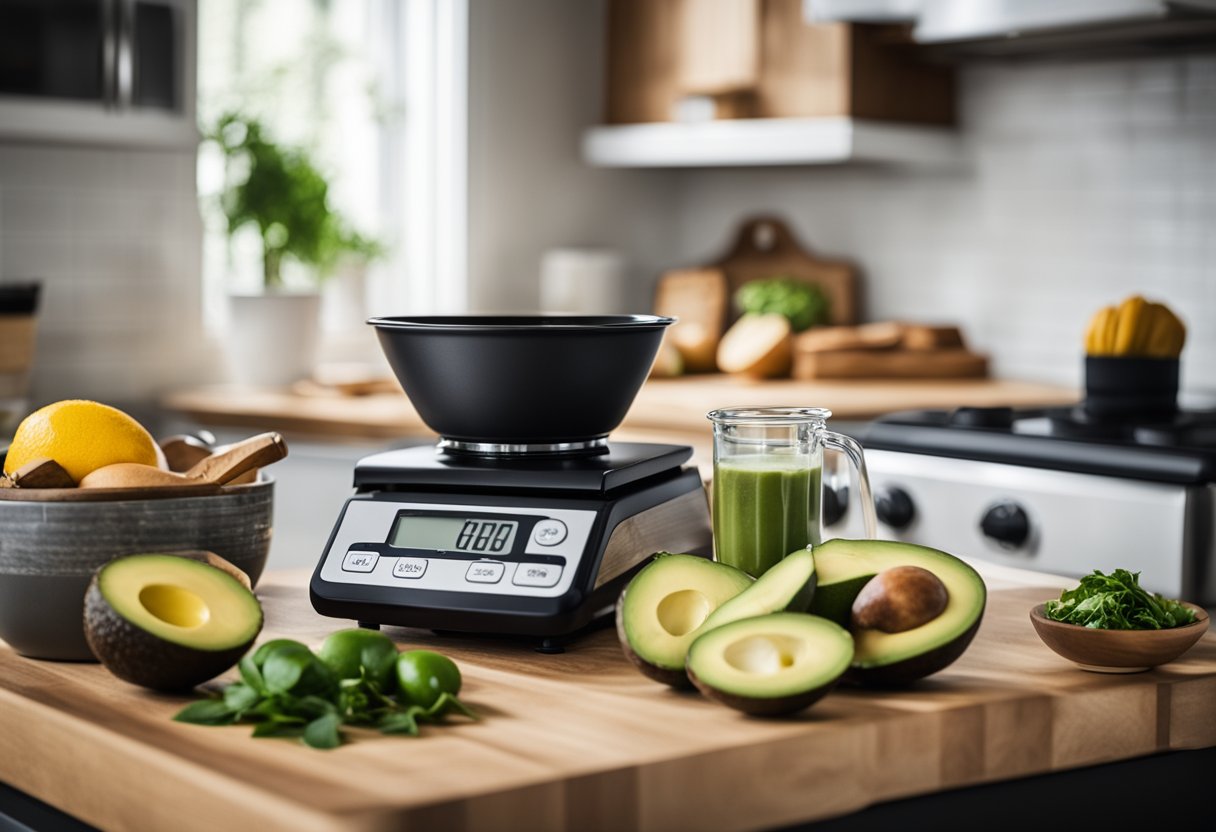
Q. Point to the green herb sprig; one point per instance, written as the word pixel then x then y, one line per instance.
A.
pixel 1117 602
pixel 287 691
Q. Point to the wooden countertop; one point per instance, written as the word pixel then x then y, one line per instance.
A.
pixel 673 405
pixel 582 741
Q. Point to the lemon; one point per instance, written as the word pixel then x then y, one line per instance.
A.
pixel 81 436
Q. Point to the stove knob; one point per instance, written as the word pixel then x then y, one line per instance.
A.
pixel 835 504
pixel 1007 524
pixel 894 507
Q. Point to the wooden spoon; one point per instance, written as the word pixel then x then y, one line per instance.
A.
pixel 216 470
pixel 184 451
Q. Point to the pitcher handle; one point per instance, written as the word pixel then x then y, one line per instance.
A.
pixel 858 477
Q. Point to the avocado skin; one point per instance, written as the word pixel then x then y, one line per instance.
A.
pixel 775 706
pixel 903 674
pixel 673 678
pixel 135 655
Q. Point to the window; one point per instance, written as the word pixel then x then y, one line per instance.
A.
pixel 375 90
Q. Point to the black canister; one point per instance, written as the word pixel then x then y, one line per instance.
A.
pixel 1131 387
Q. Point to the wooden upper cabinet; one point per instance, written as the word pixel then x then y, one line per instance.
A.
pixel 761 59
pixel 718 50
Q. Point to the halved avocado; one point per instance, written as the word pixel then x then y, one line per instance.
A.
pixel 772 664
pixel 845 566
pixel 664 607
pixel 166 622
pixel 786 587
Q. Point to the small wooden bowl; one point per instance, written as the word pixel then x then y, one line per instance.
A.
pixel 1118 651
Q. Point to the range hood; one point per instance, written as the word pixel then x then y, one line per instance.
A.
pixel 1010 27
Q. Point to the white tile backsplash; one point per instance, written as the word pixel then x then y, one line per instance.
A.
pixel 1083 182
pixel 115 236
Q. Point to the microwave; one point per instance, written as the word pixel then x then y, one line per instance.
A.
pixel 98 70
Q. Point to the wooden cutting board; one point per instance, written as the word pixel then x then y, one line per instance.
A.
pixel 582 741
pixel 859 364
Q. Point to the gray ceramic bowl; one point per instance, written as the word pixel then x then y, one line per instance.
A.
pixel 49 550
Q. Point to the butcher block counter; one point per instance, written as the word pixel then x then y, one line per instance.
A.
pixel 582 741
pixel 670 405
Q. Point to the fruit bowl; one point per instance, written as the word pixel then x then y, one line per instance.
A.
pixel 50 548
pixel 1118 651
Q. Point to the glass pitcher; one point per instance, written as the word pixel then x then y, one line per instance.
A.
pixel 767 489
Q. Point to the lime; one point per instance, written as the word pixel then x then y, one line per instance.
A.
pixel 423 676
pixel 346 651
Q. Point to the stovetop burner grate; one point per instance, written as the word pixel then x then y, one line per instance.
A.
pixel 1190 429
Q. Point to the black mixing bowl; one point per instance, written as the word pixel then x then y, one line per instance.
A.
pixel 515 379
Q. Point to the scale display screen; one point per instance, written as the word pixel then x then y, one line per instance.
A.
pixel 454 534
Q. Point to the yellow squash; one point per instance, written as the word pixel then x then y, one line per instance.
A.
pixel 1137 327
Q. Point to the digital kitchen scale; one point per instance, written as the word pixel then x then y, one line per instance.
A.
pixel 531 544
pixel 524 521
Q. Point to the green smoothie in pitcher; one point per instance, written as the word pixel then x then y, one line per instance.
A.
pixel 765 506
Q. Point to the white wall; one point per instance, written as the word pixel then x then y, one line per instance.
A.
pixel 535 81
pixel 1083 182
pixel 115 236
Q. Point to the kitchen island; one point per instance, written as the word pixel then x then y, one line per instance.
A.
pixel 581 741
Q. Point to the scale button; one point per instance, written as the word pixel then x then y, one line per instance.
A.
pixel 485 572
pixel 549 532
pixel 537 574
pixel 356 561
pixel 409 568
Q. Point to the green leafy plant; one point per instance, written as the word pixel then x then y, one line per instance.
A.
pixel 1117 602
pixel 281 191
pixel 287 691
pixel 804 304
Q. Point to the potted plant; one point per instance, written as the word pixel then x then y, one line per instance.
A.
pixel 280 192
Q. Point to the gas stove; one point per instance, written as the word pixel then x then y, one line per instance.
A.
pixel 1054 490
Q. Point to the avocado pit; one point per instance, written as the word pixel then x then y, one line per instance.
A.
pixel 899 599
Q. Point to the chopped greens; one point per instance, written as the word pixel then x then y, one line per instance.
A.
pixel 1117 602
pixel 287 691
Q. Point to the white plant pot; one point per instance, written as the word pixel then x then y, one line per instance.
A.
pixel 344 299
pixel 272 339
